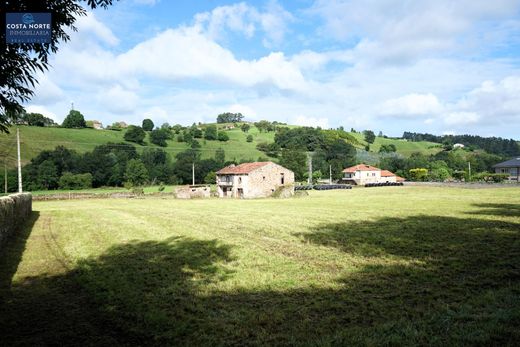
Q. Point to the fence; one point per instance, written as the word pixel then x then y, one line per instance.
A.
pixel 15 209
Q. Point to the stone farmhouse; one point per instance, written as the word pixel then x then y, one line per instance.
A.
pixel 510 167
pixel 362 174
pixel 254 180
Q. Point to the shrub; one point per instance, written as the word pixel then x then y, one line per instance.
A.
pixel 211 132
pixel 78 181
pixel 211 178
pixel 418 174
pixel 159 137
pixel 161 187
pixel 249 138
pixel 135 134
pixel 223 137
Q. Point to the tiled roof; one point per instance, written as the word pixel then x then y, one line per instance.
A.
pixel 386 173
pixel 515 162
pixel 361 167
pixel 242 169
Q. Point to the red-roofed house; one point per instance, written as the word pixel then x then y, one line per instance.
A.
pixel 362 174
pixel 253 180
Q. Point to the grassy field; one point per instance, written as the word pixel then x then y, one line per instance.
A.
pixel 36 139
pixel 386 266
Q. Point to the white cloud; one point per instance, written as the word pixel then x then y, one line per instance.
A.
pixel 42 110
pixel 310 121
pixel 119 100
pixel 412 105
pixel 246 19
pixel 461 118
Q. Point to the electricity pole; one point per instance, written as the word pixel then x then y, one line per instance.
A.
pixel 469 171
pixel 309 163
pixel 20 189
pixel 330 174
pixel 5 176
pixel 193 174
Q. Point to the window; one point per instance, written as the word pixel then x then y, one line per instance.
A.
pixel 282 179
pixel 263 178
pixel 239 180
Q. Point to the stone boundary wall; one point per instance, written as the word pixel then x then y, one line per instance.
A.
pixel 15 209
pixel 74 196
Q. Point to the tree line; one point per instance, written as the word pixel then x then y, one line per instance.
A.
pixel 115 165
pixel 495 145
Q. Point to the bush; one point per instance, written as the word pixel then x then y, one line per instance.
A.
pixel 249 138
pixel 211 132
pixel 223 137
pixel 159 137
pixel 135 134
pixel 490 177
pixel 78 181
pixel 211 178
pixel 161 187
pixel 418 174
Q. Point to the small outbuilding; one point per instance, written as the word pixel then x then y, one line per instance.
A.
pixel 254 180
pixel 510 167
pixel 363 174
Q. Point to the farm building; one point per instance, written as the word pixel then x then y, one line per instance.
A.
pixel 388 176
pixel 362 174
pixel 510 167
pixel 253 180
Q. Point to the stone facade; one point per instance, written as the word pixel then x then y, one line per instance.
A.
pixel 253 180
pixel 193 192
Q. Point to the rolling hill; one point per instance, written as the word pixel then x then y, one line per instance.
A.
pixel 36 139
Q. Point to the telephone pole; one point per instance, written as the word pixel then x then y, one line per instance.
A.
pixel 193 174
pixel 309 163
pixel 469 171
pixel 330 174
pixel 20 189
pixel 5 176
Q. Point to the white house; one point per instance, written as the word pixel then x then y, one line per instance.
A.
pixel 510 167
pixel 362 174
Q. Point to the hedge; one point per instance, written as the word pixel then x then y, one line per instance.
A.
pixel 15 209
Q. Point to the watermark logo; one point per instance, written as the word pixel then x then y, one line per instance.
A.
pixel 27 18
pixel 28 28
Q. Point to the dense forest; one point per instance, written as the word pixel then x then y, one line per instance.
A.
pixel 495 145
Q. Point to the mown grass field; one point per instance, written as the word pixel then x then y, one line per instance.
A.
pixel 382 266
pixel 36 139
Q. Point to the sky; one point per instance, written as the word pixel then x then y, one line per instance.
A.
pixel 442 67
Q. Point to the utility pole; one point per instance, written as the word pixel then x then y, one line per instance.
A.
pixel 309 163
pixel 469 171
pixel 330 174
pixel 20 190
pixel 5 176
pixel 193 174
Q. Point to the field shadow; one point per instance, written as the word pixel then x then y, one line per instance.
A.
pixel 424 281
pixel 505 210
pixel 12 251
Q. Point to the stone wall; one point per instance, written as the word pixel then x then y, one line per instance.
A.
pixel 264 181
pixel 193 192
pixel 15 209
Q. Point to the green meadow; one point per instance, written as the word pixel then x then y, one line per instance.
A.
pixel 370 267
pixel 36 139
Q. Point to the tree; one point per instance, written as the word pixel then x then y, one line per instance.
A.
pixel 20 64
pixel 296 161
pixel 136 173
pixel 159 137
pixel 74 120
pixel 79 181
pixel 47 175
pixel 370 137
pixel 211 132
pixel 135 134
pixel 147 124
pixel 37 119
pixel 222 136
pixel 418 174
pixel 387 148
pixel 211 178
pixel 229 117
pixel 380 134
pixel 245 127
pixel 249 138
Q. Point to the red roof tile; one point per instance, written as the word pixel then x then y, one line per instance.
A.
pixel 242 169
pixel 386 173
pixel 361 167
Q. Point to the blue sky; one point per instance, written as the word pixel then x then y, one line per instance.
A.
pixel 428 66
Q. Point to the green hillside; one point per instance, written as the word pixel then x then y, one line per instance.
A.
pixel 36 139
pixel 404 147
